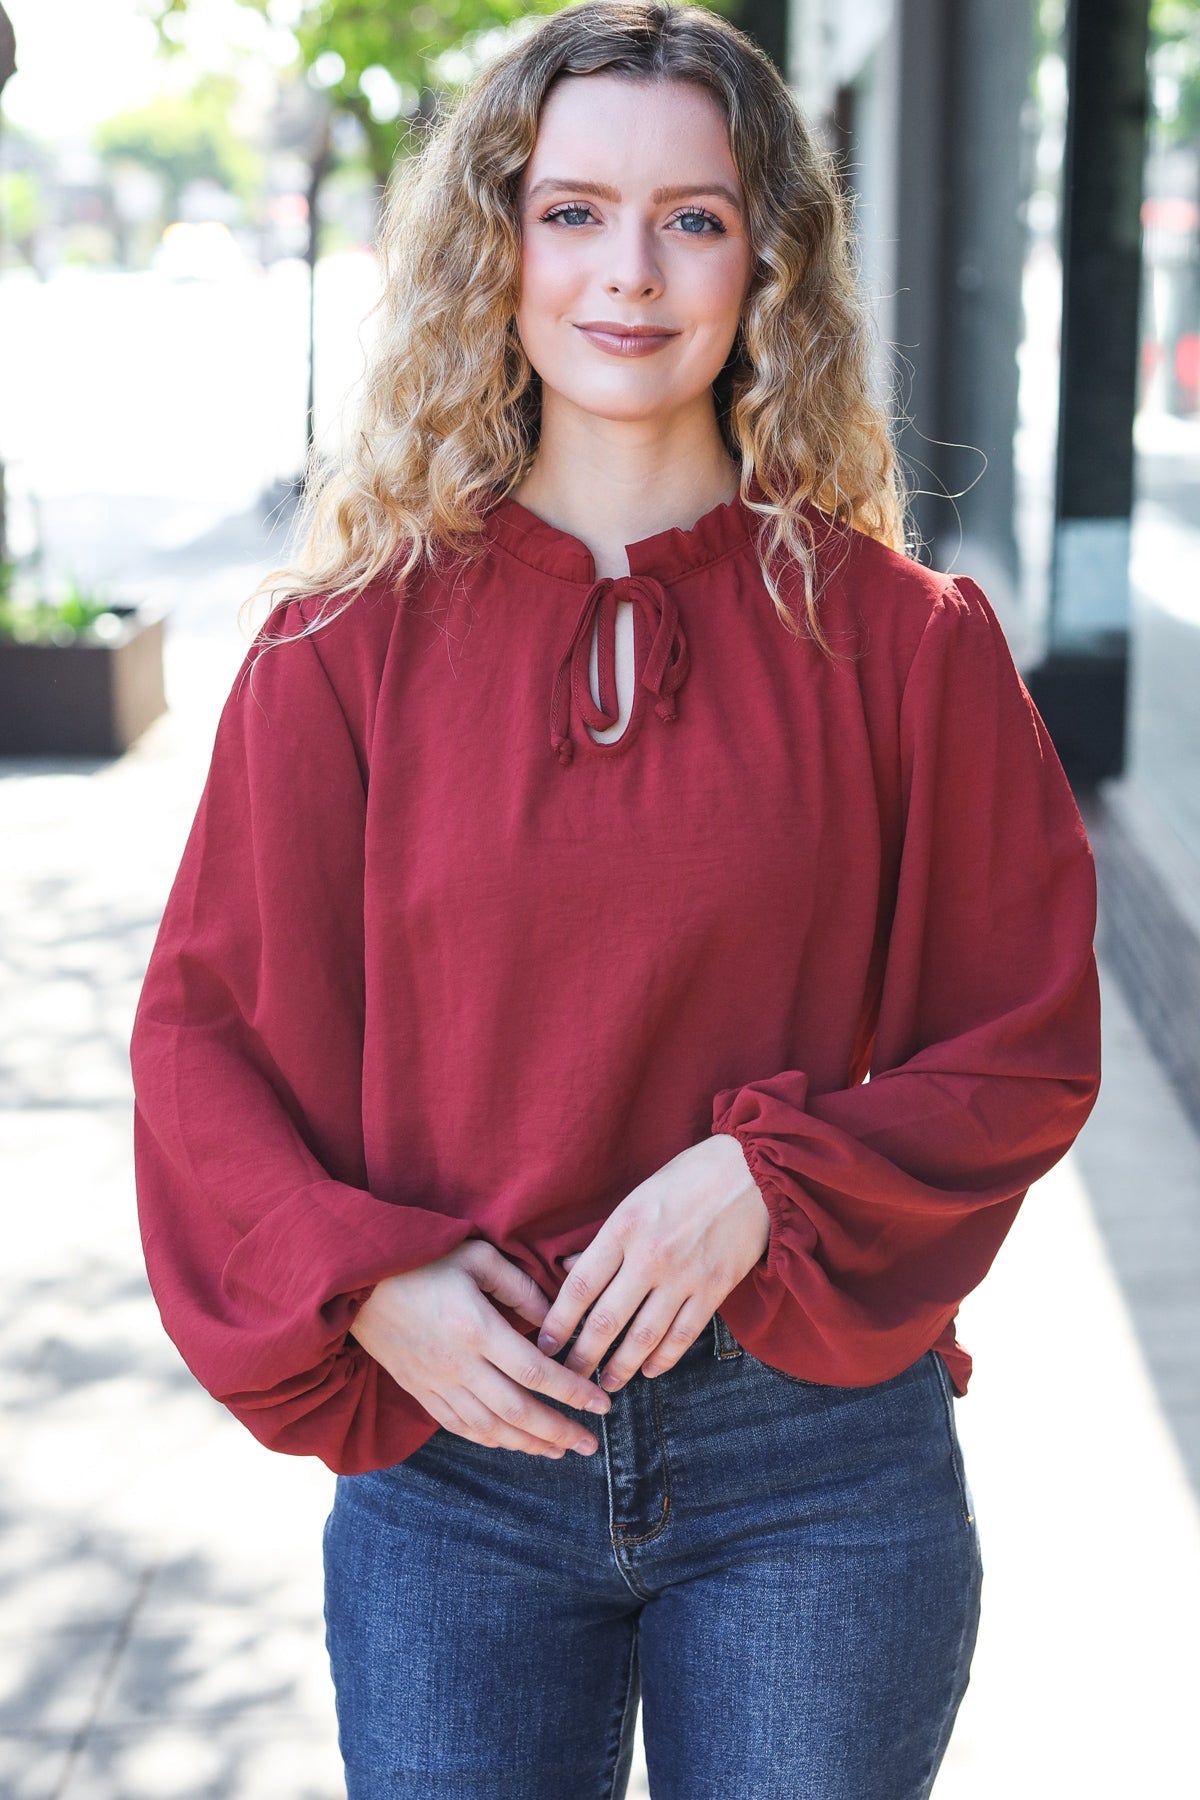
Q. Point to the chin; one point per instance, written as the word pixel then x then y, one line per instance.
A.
pixel 631 412
pixel 630 407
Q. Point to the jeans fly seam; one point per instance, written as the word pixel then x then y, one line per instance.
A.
pixel 628 1537
pixel 614 1529
pixel 623 1532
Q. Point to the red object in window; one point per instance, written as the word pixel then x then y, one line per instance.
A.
pixel 1187 362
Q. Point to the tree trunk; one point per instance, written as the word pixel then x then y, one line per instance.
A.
pixel 8 48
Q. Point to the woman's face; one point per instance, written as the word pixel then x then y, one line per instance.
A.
pixel 631 214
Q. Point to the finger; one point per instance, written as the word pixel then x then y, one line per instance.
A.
pixel 535 1372
pixel 495 1275
pixel 608 1316
pixel 480 1425
pixel 588 1278
pixel 515 1410
pixel 655 1341
pixel 440 1409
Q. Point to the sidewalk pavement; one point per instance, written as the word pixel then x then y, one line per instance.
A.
pixel 160 1573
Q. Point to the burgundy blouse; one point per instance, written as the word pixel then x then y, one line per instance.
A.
pixel 438 964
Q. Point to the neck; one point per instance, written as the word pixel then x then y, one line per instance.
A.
pixel 612 482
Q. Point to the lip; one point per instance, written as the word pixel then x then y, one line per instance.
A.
pixel 625 340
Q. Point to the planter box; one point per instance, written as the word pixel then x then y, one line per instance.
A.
pixel 83 699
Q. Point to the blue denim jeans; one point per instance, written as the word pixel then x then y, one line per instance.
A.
pixel 785 1576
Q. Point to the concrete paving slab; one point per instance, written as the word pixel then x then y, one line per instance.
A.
pixel 217 1665
pixel 34 1765
pixel 58 1576
pixel 181 1759
pixel 1087 1665
pixel 49 1680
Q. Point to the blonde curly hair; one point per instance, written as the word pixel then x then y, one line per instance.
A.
pixel 448 419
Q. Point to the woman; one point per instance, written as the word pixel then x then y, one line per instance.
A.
pixel 609 796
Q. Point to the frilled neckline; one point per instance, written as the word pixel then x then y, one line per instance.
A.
pixel 665 555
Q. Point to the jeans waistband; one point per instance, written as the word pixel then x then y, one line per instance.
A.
pixel 716 1337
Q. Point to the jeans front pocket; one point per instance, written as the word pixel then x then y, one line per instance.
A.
pixel 756 1362
pixel 782 1374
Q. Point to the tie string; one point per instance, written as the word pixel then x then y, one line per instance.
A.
pixel 666 665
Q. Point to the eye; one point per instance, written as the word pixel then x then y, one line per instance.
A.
pixel 557 212
pixel 698 212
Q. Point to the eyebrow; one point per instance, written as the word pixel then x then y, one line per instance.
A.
pixel 603 192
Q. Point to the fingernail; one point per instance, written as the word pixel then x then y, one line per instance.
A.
pixel 546 1342
pixel 609 1379
pixel 599 1403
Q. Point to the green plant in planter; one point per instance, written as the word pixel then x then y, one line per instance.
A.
pixel 76 617
pixel 81 675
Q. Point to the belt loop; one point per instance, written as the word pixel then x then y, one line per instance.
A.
pixel 724 1342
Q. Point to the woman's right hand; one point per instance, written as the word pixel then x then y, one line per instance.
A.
pixel 436 1333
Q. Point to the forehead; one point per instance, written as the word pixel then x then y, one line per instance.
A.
pixel 621 121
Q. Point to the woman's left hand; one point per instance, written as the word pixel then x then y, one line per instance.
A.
pixel 664 1259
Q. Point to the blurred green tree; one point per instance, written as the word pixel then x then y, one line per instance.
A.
pixel 22 208
pixel 377 63
pixel 1175 60
pixel 184 137
pixel 383 64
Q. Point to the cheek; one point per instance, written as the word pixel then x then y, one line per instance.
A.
pixel 549 277
pixel 718 286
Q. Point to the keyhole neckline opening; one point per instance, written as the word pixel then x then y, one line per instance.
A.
pixel 660 666
pixel 637 703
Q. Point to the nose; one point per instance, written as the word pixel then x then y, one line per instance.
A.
pixel 635 267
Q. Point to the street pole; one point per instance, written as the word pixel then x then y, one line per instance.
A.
pixel 1081 686
pixel 8 65
pixel 766 21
